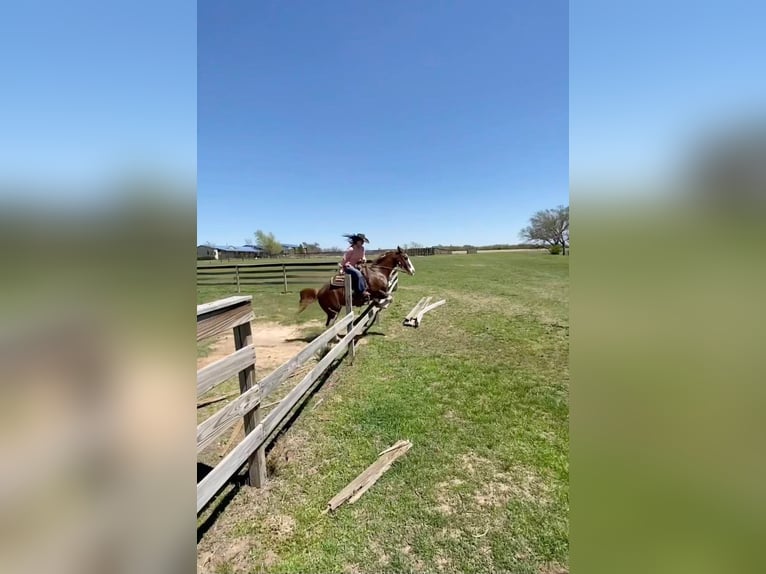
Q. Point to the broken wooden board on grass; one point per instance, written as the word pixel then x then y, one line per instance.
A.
pixel 210 401
pixel 415 316
pixel 362 483
pixel 409 320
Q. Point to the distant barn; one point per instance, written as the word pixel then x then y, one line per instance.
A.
pixel 224 252
pixel 290 248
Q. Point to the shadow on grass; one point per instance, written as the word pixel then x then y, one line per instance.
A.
pixel 374 334
pixel 236 482
pixel 289 421
pixel 304 339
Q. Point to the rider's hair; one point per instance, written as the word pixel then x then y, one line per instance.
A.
pixel 352 238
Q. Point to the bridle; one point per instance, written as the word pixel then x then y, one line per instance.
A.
pixel 397 266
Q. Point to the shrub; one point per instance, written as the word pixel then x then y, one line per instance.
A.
pixel 555 249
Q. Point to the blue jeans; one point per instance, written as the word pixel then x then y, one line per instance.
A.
pixel 358 284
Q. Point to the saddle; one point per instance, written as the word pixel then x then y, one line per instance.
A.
pixel 339 280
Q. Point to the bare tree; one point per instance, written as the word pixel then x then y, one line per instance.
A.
pixel 550 227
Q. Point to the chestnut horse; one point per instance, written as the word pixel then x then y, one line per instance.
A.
pixel 332 298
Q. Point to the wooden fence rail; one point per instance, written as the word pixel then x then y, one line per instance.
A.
pixel 236 313
pixel 295 272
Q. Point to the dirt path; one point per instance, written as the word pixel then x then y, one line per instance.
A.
pixel 274 344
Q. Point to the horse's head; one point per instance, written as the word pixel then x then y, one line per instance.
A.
pixel 403 261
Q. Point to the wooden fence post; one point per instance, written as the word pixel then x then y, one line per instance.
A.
pixel 236 271
pixel 284 275
pixel 243 336
pixel 349 309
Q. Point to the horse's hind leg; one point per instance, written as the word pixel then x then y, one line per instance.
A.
pixel 331 318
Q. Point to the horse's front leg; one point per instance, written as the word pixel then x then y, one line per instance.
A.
pixel 382 297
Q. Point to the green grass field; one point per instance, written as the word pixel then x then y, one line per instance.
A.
pixel 481 390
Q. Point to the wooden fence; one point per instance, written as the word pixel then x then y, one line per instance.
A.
pixel 294 272
pixel 236 313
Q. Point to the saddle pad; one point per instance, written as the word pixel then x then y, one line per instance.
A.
pixel 339 280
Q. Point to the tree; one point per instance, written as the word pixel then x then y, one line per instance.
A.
pixel 310 247
pixel 550 227
pixel 248 241
pixel 268 243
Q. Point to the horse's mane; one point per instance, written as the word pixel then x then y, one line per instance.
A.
pixel 382 257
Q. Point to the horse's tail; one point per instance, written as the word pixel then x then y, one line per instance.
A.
pixel 308 296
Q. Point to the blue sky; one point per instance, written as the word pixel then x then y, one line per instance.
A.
pixel 428 122
pixel 649 78
pixel 93 89
pixel 453 115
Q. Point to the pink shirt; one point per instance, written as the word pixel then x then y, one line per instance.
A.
pixel 353 255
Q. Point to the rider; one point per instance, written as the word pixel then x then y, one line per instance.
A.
pixel 353 257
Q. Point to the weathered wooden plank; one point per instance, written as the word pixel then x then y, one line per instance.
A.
pixel 215 322
pixel 206 278
pixel 223 369
pixel 387 458
pixel 215 425
pixel 262 273
pixel 243 336
pixel 215 272
pixel 426 309
pixel 414 312
pixel 347 289
pixel 317 276
pixel 223 303
pixel 362 483
pixel 217 478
